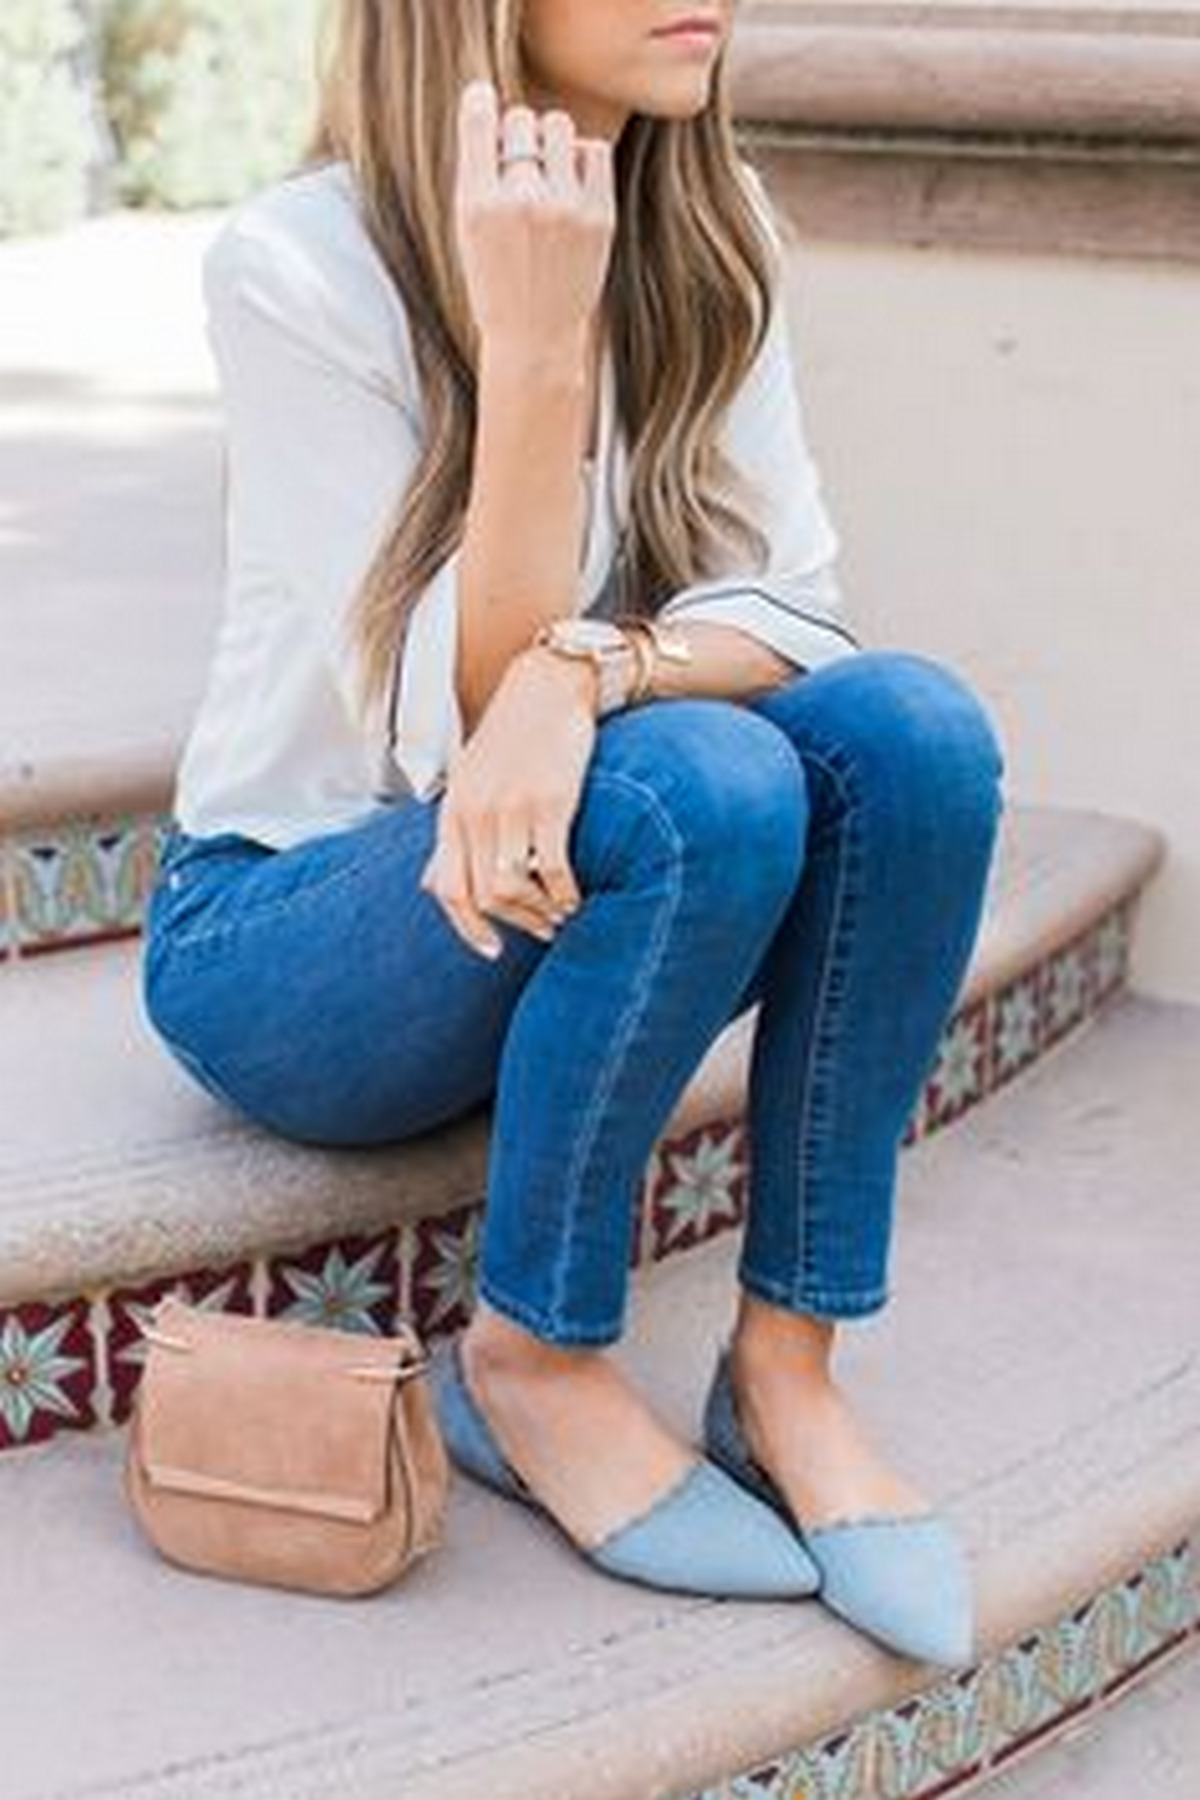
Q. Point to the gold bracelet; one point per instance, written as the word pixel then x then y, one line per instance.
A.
pixel 640 634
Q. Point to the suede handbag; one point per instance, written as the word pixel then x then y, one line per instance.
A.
pixel 294 1455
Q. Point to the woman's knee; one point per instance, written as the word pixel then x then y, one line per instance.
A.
pixel 717 784
pixel 901 721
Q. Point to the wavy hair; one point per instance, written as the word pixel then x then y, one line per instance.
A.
pixel 685 304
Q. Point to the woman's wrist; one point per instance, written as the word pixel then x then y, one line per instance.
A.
pixel 578 673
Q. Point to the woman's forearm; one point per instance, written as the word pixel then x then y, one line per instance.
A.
pixel 525 515
pixel 726 663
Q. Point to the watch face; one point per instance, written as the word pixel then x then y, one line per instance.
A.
pixel 597 634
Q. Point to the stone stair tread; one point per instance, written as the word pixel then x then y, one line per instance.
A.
pixel 1058 869
pixel 129 1169
pixel 1014 1375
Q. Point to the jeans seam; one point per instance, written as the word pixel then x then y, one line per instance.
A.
pixel 817 1041
pixel 621 1037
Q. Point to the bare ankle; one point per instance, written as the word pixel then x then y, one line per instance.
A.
pixel 769 1338
pixel 495 1344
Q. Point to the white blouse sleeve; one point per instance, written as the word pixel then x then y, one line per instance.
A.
pixel 794 602
pixel 323 438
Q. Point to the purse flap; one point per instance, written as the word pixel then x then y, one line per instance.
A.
pixel 268 1411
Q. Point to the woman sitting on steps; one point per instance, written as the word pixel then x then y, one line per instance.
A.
pixel 535 749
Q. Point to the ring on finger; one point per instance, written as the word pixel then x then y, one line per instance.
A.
pixel 525 864
pixel 519 140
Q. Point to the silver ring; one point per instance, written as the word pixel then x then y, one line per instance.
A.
pixel 520 865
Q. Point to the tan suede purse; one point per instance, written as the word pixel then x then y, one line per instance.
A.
pixel 268 1450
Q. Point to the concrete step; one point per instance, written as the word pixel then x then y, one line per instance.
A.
pixel 120 1176
pixel 110 467
pixel 1036 1372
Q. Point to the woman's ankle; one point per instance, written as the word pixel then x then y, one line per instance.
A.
pixel 492 1343
pixel 771 1340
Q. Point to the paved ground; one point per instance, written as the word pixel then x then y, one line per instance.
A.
pixel 1147 1747
pixel 109 484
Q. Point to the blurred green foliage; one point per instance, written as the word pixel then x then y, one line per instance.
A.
pixel 206 98
pixel 46 123
pixel 160 103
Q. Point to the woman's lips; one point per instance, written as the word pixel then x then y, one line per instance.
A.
pixel 702 30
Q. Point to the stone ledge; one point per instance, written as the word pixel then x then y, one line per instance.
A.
pixel 1004 129
pixel 947 70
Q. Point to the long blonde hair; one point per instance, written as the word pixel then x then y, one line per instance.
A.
pixel 685 304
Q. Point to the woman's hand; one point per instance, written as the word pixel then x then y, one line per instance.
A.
pixel 534 238
pixel 515 784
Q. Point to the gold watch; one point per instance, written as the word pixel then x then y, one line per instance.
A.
pixel 599 641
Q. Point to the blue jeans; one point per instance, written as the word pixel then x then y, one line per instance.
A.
pixel 822 848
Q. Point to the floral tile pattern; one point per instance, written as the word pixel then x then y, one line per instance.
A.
pixel 351 1285
pixel 444 1270
pixel 47 1371
pixel 697 1188
pixel 960 1074
pixel 1017 1026
pixel 89 880
pixel 1067 989
pixel 1109 945
pixel 941 1740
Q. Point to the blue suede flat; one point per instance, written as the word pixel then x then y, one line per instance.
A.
pixel 705 1535
pixel 902 1579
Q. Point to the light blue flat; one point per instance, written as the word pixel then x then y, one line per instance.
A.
pixel 901 1579
pixel 705 1535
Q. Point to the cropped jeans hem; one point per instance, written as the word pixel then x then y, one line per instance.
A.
pixel 829 1303
pixel 550 1330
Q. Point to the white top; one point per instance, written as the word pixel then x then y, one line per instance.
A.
pixel 323 418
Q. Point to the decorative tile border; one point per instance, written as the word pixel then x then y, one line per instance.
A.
pixel 954 1735
pixel 74 1363
pixel 78 883
pixel 986 1044
pixel 696 1188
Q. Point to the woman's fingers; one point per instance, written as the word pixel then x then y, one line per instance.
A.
pixel 489 134
pixel 478 136
pixel 520 150
pixel 447 877
pixel 502 882
pixel 469 882
pixel 558 152
pixel 553 866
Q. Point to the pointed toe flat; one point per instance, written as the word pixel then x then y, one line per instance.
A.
pixel 902 1579
pixel 705 1535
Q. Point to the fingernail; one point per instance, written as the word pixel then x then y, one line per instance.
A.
pixel 491 948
